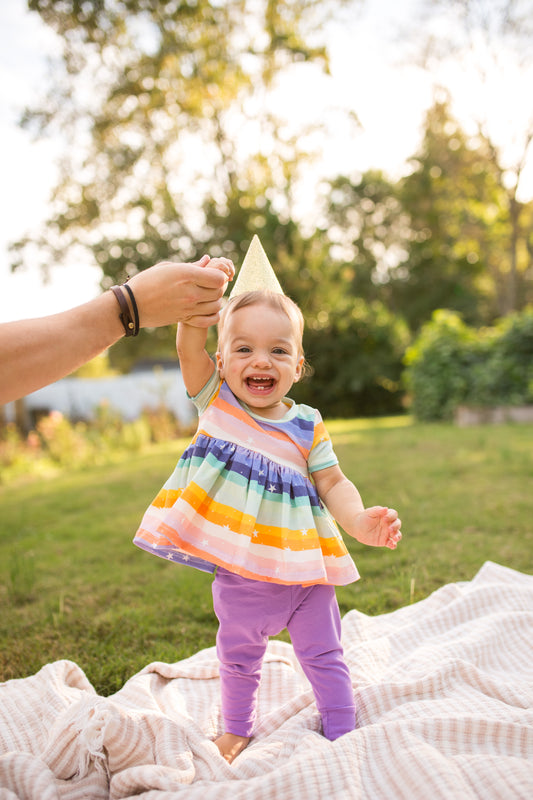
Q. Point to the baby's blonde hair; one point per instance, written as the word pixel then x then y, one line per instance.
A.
pixel 279 302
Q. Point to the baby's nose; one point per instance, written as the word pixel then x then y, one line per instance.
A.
pixel 262 359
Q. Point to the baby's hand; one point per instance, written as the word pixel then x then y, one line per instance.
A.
pixel 379 527
pixel 223 264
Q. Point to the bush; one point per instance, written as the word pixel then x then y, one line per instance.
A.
pixel 15 450
pixel 451 364
pixel 65 443
pixel 356 352
pixel 439 363
pixel 507 374
pixel 58 442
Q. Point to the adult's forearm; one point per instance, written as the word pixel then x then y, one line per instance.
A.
pixel 36 352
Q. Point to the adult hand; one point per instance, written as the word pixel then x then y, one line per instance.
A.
pixel 171 292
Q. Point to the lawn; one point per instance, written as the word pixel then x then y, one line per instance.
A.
pixel 73 586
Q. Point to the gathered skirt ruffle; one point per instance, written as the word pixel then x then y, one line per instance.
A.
pixel 233 507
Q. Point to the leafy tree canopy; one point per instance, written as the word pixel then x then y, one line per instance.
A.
pixel 153 100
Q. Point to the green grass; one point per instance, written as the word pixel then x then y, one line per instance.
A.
pixel 73 586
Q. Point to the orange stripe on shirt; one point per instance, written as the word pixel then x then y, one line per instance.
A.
pixel 321 434
pixel 166 498
pixel 268 535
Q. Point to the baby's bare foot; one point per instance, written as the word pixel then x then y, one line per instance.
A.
pixel 231 745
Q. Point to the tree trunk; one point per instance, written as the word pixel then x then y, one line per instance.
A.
pixel 22 417
pixel 514 214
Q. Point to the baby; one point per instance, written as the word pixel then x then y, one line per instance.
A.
pixel 254 497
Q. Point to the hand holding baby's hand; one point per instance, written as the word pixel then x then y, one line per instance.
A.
pixel 378 526
pixel 224 265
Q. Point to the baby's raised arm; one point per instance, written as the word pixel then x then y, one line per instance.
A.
pixel 195 363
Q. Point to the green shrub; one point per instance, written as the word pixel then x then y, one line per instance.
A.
pixel 356 352
pixel 439 363
pixel 451 364
pixel 65 442
pixel 507 378
pixel 58 442
pixel 13 447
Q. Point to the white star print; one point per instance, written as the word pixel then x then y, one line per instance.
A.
pixel 271 488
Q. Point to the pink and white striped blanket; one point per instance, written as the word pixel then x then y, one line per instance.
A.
pixel 444 689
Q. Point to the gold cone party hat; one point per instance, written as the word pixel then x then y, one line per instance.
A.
pixel 256 272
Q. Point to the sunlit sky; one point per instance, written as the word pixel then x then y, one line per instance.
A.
pixel 389 98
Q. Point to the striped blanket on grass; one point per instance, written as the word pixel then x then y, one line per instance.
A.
pixel 444 690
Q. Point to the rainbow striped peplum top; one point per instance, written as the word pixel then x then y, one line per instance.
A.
pixel 241 497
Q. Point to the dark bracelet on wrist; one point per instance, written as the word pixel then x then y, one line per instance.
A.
pixel 131 326
pixel 135 309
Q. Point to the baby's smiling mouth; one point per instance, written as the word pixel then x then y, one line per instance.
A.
pixel 259 383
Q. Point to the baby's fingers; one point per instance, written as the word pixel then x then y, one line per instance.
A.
pixel 391 515
pixel 223 264
pixel 395 535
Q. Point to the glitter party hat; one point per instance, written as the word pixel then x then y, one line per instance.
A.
pixel 256 272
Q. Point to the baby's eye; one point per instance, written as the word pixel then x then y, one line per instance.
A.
pixel 244 349
pixel 279 351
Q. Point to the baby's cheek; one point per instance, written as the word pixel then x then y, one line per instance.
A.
pixel 232 373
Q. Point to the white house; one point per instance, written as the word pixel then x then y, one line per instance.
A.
pixel 129 395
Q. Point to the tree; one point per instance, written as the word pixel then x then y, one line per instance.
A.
pixel 459 232
pixel 369 232
pixel 153 99
pixel 486 40
pixel 439 237
pixel 171 146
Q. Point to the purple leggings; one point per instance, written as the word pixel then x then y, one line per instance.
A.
pixel 249 612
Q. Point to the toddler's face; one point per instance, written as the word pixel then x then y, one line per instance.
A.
pixel 259 357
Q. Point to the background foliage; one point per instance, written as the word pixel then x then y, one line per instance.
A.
pixel 356 348
pixel 451 364
pixel 57 443
pixel 173 149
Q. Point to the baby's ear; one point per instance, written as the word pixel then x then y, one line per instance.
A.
pixel 220 363
pixel 299 368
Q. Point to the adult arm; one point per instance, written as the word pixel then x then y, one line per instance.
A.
pixel 35 352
